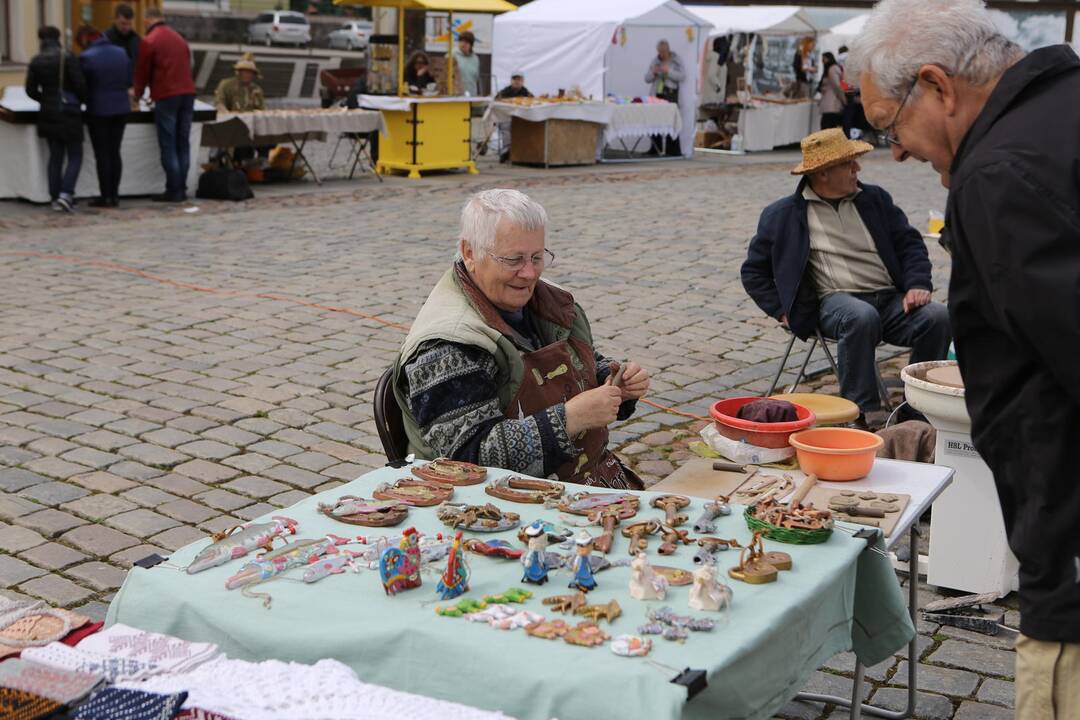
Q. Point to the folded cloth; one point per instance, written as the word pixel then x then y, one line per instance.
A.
pixel 118 704
pixel 22 705
pixel 168 653
pixel 768 410
pixel 200 714
pixel 59 655
pixel 912 440
pixel 63 686
pixel 77 636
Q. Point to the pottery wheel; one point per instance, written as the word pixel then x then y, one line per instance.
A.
pixel 947 375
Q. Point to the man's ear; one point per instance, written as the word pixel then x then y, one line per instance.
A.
pixel 941 85
pixel 467 254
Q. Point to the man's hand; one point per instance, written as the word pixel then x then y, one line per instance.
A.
pixel 783 320
pixel 592 409
pixel 635 381
pixel 914 298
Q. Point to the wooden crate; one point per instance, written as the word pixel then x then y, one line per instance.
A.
pixel 554 142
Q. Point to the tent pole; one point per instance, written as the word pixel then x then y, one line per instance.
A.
pixel 450 53
pixel 401 50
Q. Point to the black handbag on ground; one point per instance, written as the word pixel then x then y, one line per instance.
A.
pixel 224 183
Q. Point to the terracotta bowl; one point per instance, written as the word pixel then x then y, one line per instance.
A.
pixel 764 435
pixel 836 454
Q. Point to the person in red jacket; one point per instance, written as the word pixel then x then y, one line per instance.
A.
pixel 164 65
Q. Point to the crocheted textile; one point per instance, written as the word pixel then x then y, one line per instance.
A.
pixel 63 686
pixel 21 705
pixel 168 653
pixel 275 690
pixel 119 704
pixel 79 659
pixel 38 628
pixel 199 714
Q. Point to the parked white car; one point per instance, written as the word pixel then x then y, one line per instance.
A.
pixel 350 36
pixel 280 27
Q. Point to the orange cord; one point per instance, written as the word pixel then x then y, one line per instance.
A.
pixel 120 267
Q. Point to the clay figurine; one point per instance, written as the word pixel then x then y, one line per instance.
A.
pixel 477 518
pixel 455 579
pixel 512 595
pixel 399 567
pixel 645 584
pixel 581 567
pixel 631 646
pixel 493 548
pixel 370 513
pixel 535 560
pixel 707 592
pixel 524 490
pixel 587 634
pixel 707 522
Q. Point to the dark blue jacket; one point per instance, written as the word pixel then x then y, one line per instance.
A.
pixel 108 77
pixel 775 273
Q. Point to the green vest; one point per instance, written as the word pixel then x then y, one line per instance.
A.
pixel 450 316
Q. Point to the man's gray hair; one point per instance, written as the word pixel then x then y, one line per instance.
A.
pixel 901 36
pixel 485 210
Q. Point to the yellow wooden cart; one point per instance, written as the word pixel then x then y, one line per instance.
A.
pixel 426 133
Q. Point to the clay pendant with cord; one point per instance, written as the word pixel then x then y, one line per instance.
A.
pixel 451 472
pixel 418 493
pixel 360 511
pixel 524 490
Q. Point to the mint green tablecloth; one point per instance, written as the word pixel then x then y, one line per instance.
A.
pixel 775 634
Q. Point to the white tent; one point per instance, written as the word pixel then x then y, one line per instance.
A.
pixel 758 19
pixel 842 34
pixel 601 46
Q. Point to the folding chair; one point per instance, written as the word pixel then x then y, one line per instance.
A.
pixel 388 421
pixel 814 341
pixel 359 150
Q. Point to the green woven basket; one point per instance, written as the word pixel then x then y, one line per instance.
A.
pixel 793 536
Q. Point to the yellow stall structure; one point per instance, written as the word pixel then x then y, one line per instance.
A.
pixel 426 133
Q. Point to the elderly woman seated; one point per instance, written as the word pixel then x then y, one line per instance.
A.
pixel 499 367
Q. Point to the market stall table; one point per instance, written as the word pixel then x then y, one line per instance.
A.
pixel 272 127
pixel 26 156
pixel 774 637
pixel 766 125
pixel 553 133
pixel 424 133
pixel 636 122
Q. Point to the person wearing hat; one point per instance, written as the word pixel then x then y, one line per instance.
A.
pixel 839 255
pixel 241 93
pixel 466 65
pixel 515 89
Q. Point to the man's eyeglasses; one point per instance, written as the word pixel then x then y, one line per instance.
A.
pixel 517 262
pixel 890 132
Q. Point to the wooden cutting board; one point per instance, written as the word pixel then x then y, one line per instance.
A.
pixel 820 497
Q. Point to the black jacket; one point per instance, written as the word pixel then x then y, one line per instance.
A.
pixel 775 273
pixel 43 85
pixel 129 42
pixel 511 92
pixel 1013 220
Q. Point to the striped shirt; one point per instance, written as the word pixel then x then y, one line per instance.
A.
pixel 843 257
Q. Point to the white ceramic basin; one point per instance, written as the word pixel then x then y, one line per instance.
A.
pixel 942 405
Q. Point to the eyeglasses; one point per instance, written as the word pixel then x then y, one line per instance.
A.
pixel 890 132
pixel 517 262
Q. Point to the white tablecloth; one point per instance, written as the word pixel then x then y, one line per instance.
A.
pixel 638 119
pixel 596 112
pixel 774 124
pixel 276 126
pixel 393 102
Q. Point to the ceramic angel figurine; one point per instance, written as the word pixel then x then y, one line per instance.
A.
pixel 535 560
pixel 581 567
pixel 645 584
pixel 707 593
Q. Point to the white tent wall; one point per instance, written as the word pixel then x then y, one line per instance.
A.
pixel 552 55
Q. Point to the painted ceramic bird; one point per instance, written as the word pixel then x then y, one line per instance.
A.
pixel 399 567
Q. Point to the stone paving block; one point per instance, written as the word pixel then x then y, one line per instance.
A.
pixel 295 476
pixel 945 681
pixel 99 507
pixel 14 571
pixel 49 522
pixel 13 456
pixel 328 486
pixel 275 449
pixel 56 468
pixel 186 511
pixel 208 449
pixel 97 575
pixel 313 461
pixel 997 692
pixel 247 406
pixel 333 431
pixel 57 409
pixel 168 437
pixel 91 458
pixel 292 418
pixel 98 540
pixel 824 683
pixel 55 590
pixel 15 479
pixel 54 493
pixel 134 470
pixel 96 417
pixel 17 436
pixel 287 499
pixel 153 414
pixel 800 710
pixel 256 487
pixel 51 446
pixel 192 424
pixel 177 484
pixel 260 426
pixel 177 537
pixel 148 496
pixel 253 511
pixel 345 471
pixel 105 440
pixel 15 539
pixel 52 556
pixel 223 500
pixel 970 710
pixel 153 455
pixel 127 558
pixel 232 436
pixel 845 663
pixel 13 506
pixel 218 414
pixel 977 658
pixel 61 428
pixel 94 610
pixel 207 472
pixel 102 482
pixel 132 426
pixel 927 705
pixel 1001 641
pixel 141 523
pixel 251 462
pixel 220 523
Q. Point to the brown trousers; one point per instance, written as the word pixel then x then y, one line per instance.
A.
pixel 1047 680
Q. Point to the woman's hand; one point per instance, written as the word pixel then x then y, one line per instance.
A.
pixel 594 408
pixel 635 381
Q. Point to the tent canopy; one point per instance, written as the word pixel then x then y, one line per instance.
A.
pixel 490 6
pixel 759 19
pixel 618 12
pixel 842 34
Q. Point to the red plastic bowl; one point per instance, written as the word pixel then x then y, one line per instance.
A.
pixel 765 435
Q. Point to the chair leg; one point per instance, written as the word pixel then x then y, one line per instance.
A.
pixel 882 390
pixel 829 355
pixel 783 364
pixel 805 363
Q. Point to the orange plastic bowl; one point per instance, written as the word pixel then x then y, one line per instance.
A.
pixel 764 435
pixel 836 454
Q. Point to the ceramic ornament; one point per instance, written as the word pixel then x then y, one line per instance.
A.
pixel 707 593
pixel 535 560
pixel 645 584
pixel 581 566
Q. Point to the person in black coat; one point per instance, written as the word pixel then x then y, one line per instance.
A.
pixel 840 256
pixel 55 80
pixel 122 32
pixel 1001 129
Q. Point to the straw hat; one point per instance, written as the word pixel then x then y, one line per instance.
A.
pixel 246 62
pixel 828 148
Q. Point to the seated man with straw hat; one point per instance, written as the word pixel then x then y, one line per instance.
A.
pixel 840 255
pixel 241 93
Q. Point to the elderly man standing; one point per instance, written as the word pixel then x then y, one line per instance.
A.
pixel 665 75
pixel 499 367
pixel 839 255
pixel 1000 127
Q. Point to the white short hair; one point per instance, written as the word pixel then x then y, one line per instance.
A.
pixel 484 211
pixel 903 35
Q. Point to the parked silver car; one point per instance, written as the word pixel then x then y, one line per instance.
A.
pixel 280 27
pixel 350 36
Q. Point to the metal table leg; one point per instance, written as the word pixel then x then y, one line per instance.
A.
pixel 299 156
pixel 857 707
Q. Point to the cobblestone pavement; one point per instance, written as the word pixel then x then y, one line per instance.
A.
pixel 159 380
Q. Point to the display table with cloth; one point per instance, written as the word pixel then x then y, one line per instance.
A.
pixel 424 133
pixel 837 596
pixel 26 156
pixel 553 133
pixel 274 127
pixel 768 125
pixel 633 123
